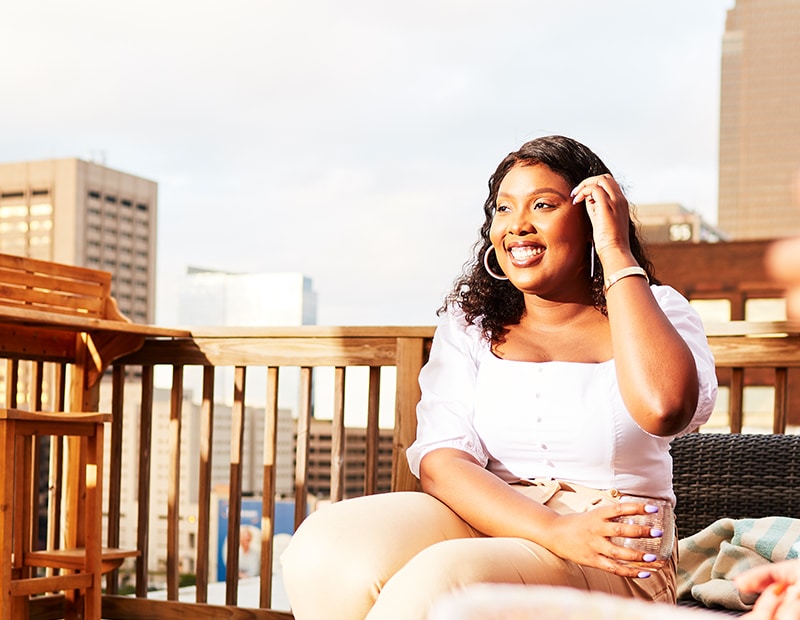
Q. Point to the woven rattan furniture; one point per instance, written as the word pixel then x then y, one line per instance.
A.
pixel 734 475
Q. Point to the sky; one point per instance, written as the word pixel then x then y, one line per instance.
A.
pixel 353 140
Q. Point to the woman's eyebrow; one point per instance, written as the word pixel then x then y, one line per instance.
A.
pixel 537 192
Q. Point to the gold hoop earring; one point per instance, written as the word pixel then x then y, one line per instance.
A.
pixel 486 265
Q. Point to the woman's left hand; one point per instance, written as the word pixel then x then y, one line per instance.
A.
pixel 584 538
pixel 608 211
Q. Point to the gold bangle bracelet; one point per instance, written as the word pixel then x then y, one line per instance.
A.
pixel 624 273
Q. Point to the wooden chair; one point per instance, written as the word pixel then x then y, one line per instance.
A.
pixel 63 314
pixel 81 581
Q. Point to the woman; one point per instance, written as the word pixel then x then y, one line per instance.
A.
pixel 558 376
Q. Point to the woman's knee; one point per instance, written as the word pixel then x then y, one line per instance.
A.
pixel 377 534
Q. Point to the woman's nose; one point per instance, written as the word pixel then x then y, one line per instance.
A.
pixel 521 224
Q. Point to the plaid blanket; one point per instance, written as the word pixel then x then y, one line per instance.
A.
pixel 711 558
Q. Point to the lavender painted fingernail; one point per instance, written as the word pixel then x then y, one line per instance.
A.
pixel 643 575
pixel 656 533
pixel 650 557
pixel 650 508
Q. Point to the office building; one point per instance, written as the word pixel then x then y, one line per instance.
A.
pixel 354 461
pixel 82 213
pixel 223 299
pixel 672 222
pixel 759 138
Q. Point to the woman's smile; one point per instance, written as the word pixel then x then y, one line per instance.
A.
pixel 525 254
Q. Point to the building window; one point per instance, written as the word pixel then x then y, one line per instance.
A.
pixel 13 211
pixel 93 194
pixel 42 209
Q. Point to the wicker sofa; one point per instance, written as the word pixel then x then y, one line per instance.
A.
pixel 734 475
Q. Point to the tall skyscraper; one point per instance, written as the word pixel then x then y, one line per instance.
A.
pixel 759 139
pixel 82 213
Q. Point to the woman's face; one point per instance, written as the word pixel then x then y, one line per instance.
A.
pixel 539 236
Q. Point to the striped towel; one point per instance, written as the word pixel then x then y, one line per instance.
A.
pixel 710 559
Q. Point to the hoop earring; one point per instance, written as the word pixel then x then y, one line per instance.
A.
pixel 486 265
pixel 591 261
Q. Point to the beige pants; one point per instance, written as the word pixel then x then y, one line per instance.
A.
pixel 387 557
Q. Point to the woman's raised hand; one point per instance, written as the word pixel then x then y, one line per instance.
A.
pixel 608 211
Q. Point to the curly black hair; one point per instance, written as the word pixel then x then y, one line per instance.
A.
pixel 495 304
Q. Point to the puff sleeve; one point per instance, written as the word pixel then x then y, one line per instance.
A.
pixel 688 324
pixel 445 412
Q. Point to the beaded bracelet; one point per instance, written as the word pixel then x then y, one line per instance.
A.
pixel 624 273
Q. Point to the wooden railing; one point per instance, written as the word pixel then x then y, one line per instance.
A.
pixel 745 353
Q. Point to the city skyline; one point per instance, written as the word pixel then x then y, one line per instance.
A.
pixel 353 142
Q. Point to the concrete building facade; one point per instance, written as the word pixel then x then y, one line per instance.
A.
pixel 82 213
pixel 759 137
pixel 672 222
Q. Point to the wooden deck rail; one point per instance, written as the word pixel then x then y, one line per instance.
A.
pixel 771 349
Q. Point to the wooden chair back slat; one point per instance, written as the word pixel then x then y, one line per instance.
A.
pixel 55 287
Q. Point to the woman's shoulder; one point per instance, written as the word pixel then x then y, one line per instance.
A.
pixel 667 296
pixel 678 309
pixel 454 326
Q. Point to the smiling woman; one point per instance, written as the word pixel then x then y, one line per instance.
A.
pixel 559 374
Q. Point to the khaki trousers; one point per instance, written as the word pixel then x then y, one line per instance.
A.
pixel 389 556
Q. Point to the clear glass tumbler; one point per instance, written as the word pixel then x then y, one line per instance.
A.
pixel 663 520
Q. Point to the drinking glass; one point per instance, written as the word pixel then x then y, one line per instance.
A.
pixel 663 520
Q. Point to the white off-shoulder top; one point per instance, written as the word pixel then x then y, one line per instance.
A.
pixel 564 420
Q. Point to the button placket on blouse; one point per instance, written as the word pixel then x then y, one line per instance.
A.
pixel 538 382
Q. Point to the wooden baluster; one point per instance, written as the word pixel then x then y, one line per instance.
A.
pixel 268 489
pixel 410 358
pixel 174 484
pixel 235 489
pixel 143 492
pixel 736 403
pixel 373 431
pixel 204 491
pixel 781 400
pixel 115 469
pixel 338 436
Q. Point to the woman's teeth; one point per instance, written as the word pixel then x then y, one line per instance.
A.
pixel 521 253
